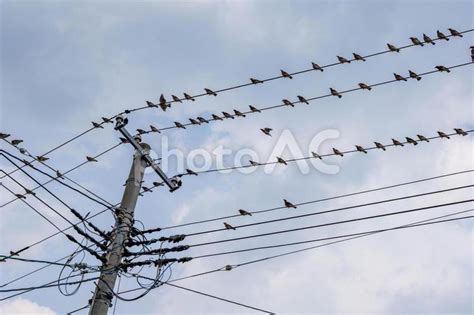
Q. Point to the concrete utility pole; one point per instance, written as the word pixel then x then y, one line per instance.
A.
pixel 124 221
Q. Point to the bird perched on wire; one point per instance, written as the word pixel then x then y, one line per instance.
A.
pixel 188 97
pixel 91 159
pixel 123 140
pixel 154 129
pixel 16 142
pixel 461 132
pixel 202 120
pixel 254 109
pixel 179 125
pixel 23 151
pixel 288 204
pixel 194 121
pixel 176 99
pixel 266 131
pixel 255 81
pixel 215 117
pixel 441 35
pixel 146 189
pixel 150 104
pixel 302 99
pixel 454 32
pixel 191 172
pixel 59 175
pixel 210 92
pixel 141 131
pixel 163 104
pixel 335 93
pixel 29 192
pixel 238 113
pixel 20 196
pixel 342 59
pixel 361 149
pixel 442 69
pixel 427 39
pixel 287 102
pixel 337 152
pixel 399 77
pixel 422 138
pixel 107 120
pixel 316 156
pixel 393 48
pixel 416 41
pixel 156 184
pixel 228 226
pixel 413 75
pixel 42 158
pixel 280 160
pixel 396 142
pixel 243 212
pixel 227 115
pixel 364 86
pixel 410 140
pixel 380 146
pixel 317 67
pixel 253 163
pixel 443 135
pixel 285 74
pixel 96 125
pixel 4 135
pixel 472 53
pixel 358 57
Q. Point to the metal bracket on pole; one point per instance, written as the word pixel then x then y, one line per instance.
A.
pixel 172 183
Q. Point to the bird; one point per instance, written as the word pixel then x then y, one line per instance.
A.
pixel 288 204
pixel 302 99
pixel 361 149
pixel 191 172
pixel 150 104
pixel 443 135
pixel 342 59
pixel 123 140
pixel 287 102
pixel 228 226
pixel 4 135
pixel 141 131
pixel 23 151
pixel 365 86
pixel 441 35
pixel 413 75
pixel 358 57
pixel 422 138
pixel 316 156
pixel 454 32
pixel 280 160
pixel 59 175
pixel 335 93
pixel 410 140
pixel 380 146
pixel 97 125
pixel 427 39
pixel 317 67
pixel 442 69
pixel 20 196
pixel 393 48
pixel 202 120
pixel 399 77
pixel 238 113
pixel 176 99
pixel 472 53
pixel 396 142
pixel 154 129
pixel 179 125
pixel 243 212
pixel 29 192
pixel 156 184
pixel 253 163
pixel 107 120
pixel 285 74
pixel 42 158
pixel 337 152
pixel 163 104
pixel 255 81
pixel 194 122
pixel 215 117
pixel 227 115
pixel 146 189
pixel 16 142
pixel 210 92
pixel 266 131
pixel 91 159
pixel 254 109
pixel 461 132
pixel 188 97
pixel 127 111
pixel 416 41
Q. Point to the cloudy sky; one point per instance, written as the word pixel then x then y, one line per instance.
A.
pixel 65 64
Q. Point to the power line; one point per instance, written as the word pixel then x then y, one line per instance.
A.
pixel 331 223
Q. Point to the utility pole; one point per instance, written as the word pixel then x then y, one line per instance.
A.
pixel 103 294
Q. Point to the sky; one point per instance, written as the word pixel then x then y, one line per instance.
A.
pixel 65 64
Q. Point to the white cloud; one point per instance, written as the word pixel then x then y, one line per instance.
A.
pixel 25 307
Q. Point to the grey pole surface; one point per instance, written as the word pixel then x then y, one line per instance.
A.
pixel 103 295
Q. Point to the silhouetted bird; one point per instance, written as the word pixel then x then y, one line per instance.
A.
pixel 288 204
pixel 441 36
pixel 472 53
pixel 253 163
pixel 188 97
pixel 228 226
pixel 243 212
pixel 302 99
pixel 267 131
pixel 255 81
pixel 410 140
pixel 454 32
pixel 194 122
pixel 399 77
pixel 91 159
pixel 191 172
pixel 422 138
pixel 280 160
pixel 163 104
pixel 461 132
pixel 315 155
pixel 141 131
pixel 286 74
pixel 287 102
pixel 442 69
pixel 396 142
pixel 96 125
pixel 59 175
pixel 254 109
pixel 380 146
pixel 358 57
pixel 365 86
pixel 215 117
pixel 4 135
pixel 20 196
pixel 42 158
pixel 107 120
pixel 337 152
pixel 179 125
pixel 16 142
pixel 317 67
pixel 443 135
pixel 176 99
pixel 342 59
pixel 210 92
pixel 416 41
pixel 427 39
pixel 202 120
pixel 154 129
pixel 227 115
pixel 29 192
pixel 150 104
pixel 413 75
pixel 238 113
pixel 361 149
pixel 393 48
pixel 335 93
